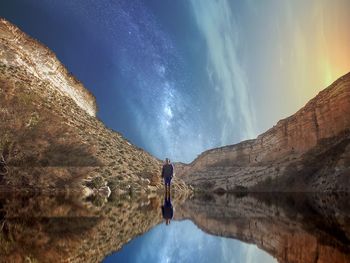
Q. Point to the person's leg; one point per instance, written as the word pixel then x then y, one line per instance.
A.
pixel 167 184
pixel 164 196
pixel 169 190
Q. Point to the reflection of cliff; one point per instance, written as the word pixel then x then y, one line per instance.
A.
pixel 63 229
pixel 294 229
pixel 307 151
pixel 49 135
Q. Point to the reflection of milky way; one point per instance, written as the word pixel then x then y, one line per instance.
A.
pixel 148 61
pixel 195 246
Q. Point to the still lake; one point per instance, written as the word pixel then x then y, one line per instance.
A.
pixel 62 227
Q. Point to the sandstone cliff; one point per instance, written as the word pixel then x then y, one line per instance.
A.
pixel 307 151
pixel 19 50
pixel 50 137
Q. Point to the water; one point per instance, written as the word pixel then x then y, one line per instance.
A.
pixel 61 227
pixel 184 241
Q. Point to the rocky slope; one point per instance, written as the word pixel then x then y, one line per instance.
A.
pixel 50 137
pixel 19 50
pixel 292 228
pixel 308 151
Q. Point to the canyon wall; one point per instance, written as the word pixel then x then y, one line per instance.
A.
pixel 20 50
pixel 50 138
pixel 323 122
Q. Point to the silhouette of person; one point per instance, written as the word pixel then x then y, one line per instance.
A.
pixel 167 175
pixel 167 209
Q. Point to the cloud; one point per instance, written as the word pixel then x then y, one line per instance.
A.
pixel 216 22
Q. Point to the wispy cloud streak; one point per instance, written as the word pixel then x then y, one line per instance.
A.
pixel 217 24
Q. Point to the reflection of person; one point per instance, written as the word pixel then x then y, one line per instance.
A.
pixel 167 175
pixel 167 209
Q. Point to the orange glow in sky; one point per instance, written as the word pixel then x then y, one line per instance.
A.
pixel 306 52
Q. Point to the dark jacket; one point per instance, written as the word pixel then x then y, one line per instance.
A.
pixel 167 170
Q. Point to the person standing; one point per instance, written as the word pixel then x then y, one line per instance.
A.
pixel 167 175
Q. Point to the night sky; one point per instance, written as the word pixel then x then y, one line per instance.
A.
pixel 179 77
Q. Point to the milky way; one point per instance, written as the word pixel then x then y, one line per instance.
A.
pixel 147 94
pixel 167 119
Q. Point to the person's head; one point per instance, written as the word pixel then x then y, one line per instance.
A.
pixel 167 160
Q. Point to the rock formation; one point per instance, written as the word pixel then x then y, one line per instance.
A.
pixel 50 137
pixel 308 151
pixel 20 51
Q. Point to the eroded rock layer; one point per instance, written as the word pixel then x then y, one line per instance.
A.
pixel 20 50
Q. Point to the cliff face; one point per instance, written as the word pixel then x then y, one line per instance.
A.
pixel 19 50
pixel 49 135
pixel 293 229
pixel 295 144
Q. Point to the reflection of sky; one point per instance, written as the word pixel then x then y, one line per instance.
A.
pixel 182 241
pixel 178 77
